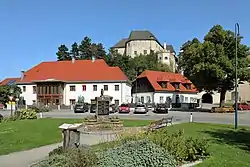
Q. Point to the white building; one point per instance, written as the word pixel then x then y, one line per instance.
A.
pixel 158 87
pixel 62 82
pixel 143 42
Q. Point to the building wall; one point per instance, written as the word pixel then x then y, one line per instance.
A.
pixel 123 95
pixel 140 45
pixel 120 50
pixel 167 58
pixel 158 97
pixel 28 95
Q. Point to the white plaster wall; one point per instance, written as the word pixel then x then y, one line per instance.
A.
pixel 155 97
pixel 89 94
pixel 28 94
pixel 184 97
pixel 140 46
pixel 120 50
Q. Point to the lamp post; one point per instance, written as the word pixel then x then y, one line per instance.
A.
pixel 11 98
pixel 237 32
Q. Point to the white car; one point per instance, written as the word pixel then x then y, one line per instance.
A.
pixel 140 108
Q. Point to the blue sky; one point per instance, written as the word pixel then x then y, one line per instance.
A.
pixel 31 31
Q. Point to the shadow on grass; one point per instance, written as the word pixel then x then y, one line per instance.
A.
pixel 240 138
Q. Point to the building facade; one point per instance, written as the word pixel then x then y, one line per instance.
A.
pixel 158 87
pixel 144 42
pixel 63 82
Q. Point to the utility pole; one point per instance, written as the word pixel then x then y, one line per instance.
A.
pixel 237 30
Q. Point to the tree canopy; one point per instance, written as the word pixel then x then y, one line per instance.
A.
pixel 132 67
pixel 83 51
pixel 211 64
pixel 5 93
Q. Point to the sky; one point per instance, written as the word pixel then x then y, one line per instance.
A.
pixel 32 30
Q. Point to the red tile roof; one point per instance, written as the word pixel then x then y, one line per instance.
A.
pixel 80 70
pixel 154 77
pixel 7 80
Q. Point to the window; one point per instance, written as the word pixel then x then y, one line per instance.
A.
pixel 106 88
pixel 72 88
pixel 72 101
pixel 148 99
pixel 188 86
pixel 33 101
pixel 94 87
pixel 160 58
pixel 116 87
pixel 145 52
pixel 24 88
pixel 83 87
pixel 164 84
pixel 116 102
pixel 166 58
pixel 142 99
pixel 135 52
pixel 186 99
pixel 34 89
pixel 177 86
pixel 161 99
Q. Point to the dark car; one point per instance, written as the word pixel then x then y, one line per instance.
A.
pixel 161 108
pixel 81 108
pixel 124 108
pixel 92 108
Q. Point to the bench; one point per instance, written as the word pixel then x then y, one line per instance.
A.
pixel 160 123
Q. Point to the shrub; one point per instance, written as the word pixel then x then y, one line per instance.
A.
pixel 181 148
pixel 39 109
pixel 138 153
pixel 1 117
pixel 73 157
pixel 57 151
pixel 55 161
pixel 27 114
pixel 82 157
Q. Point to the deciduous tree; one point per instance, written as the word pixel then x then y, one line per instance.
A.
pixel 211 64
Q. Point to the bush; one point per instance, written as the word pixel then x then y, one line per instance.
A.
pixel 138 153
pixel 39 109
pixel 57 151
pixel 55 161
pixel 1 117
pixel 27 114
pixel 181 148
pixel 74 157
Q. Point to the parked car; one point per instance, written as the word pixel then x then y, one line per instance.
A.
pixel 81 108
pixel 150 107
pixel 124 108
pixel 243 106
pixel 161 108
pixel 140 108
pixel 114 108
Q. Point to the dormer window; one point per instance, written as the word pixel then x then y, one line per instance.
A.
pixel 163 84
pixel 176 85
pixel 188 86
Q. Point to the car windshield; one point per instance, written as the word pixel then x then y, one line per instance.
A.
pixel 139 105
pixel 124 105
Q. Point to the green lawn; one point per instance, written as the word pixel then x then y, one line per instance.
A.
pixel 228 147
pixel 27 134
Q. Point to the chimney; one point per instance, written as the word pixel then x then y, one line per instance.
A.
pixel 73 60
pixel 22 75
pixel 165 45
pixel 93 59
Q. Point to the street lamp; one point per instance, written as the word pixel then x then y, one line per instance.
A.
pixel 11 98
pixel 237 33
